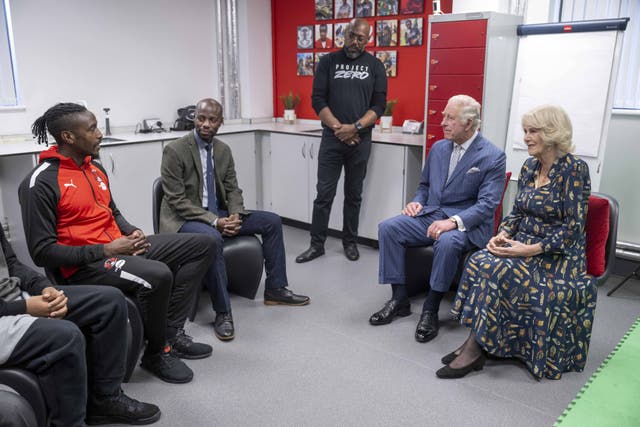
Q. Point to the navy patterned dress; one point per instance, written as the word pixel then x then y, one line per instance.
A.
pixel 538 309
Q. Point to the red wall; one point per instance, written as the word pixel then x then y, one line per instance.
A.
pixel 408 87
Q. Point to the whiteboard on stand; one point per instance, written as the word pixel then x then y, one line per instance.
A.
pixel 574 70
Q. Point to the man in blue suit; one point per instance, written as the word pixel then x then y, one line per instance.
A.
pixel 453 210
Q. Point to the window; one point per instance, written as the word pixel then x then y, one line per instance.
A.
pixel 627 94
pixel 8 77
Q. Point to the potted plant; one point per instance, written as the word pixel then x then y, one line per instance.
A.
pixel 290 102
pixel 386 121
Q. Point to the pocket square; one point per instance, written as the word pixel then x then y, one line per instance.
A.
pixel 473 170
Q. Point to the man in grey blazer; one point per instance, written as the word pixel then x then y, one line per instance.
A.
pixel 453 210
pixel 201 195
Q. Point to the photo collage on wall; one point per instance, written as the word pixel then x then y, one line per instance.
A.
pixel 328 33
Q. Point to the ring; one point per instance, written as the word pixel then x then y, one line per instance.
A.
pixel 438 233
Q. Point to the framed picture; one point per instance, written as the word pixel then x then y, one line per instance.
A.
pixel 365 8
pixel 340 34
pixel 317 61
pixel 305 37
pixel 411 32
pixel 324 9
pixel 408 7
pixel 389 59
pixel 387 32
pixel 324 36
pixel 344 9
pixel 387 7
pixel 372 33
pixel 305 64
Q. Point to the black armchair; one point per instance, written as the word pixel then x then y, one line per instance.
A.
pixel 26 385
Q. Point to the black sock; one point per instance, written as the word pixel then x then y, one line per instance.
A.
pixel 399 292
pixel 432 303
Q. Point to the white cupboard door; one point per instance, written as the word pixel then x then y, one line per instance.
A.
pixel 243 149
pixel 131 169
pixel 290 176
pixel 383 194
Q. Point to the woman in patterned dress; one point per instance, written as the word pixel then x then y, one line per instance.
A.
pixel 527 295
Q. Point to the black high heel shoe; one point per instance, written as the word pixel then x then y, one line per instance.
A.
pixel 447 372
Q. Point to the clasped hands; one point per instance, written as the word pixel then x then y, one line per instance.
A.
pixel 134 244
pixel 347 134
pixel 52 303
pixel 229 226
pixel 436 228
pixel 502 246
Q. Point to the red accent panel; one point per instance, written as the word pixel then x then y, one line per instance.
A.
pixel 597 230
pixel 434 112
pixel 457 61
pixel 444 87
pixel 459 34
pixel 408 87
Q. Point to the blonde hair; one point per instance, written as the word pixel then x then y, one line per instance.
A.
pixel 554 126
pixel 470 109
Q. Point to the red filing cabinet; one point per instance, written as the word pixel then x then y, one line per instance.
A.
pixel 472 54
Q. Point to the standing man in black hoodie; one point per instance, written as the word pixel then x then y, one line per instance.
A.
pixel 349 94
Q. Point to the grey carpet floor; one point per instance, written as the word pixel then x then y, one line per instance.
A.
pixel 324 365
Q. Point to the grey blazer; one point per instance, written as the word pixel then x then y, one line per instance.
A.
pixel 183 182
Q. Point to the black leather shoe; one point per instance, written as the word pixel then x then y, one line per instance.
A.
pixel 223 327
pixel 310 254
pixel 391 309
pixel 120 409
pixel 283 296
pixel 351 252
pixel 447 372
pixel 449 357
pixel 427 328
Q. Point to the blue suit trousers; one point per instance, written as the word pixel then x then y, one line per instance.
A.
pixel 402 231
pixel 266 224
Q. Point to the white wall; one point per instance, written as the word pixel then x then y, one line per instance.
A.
pixel 256 70
pixel 142 58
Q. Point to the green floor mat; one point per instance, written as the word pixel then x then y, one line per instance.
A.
pixel 611 397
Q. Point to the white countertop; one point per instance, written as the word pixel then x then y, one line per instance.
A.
pixel 25 145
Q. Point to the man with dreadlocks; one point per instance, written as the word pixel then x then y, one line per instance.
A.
pixel 74 229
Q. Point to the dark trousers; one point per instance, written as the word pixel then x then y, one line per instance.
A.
pixel 333 156
pixel 269 226
pixel 402 231
pixel 164 280
pixel 56 352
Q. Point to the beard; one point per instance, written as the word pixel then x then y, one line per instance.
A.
pixel 353 53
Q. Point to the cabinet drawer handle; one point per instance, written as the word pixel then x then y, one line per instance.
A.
pixel 311 150
pixel 434 61
pixel 434 36
pixel 432 112
pixel 433 88
pixel 304 156
pixel 430 136
pixel 113 163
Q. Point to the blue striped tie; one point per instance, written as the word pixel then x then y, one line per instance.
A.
pixel 212 205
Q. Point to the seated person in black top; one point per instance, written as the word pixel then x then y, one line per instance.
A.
pixel 44 334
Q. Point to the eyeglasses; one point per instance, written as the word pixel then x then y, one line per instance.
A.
pixel 359 38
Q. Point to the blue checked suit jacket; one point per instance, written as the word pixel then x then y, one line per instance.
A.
pixel 474 190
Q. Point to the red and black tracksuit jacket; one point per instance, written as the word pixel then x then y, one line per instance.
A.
pixel 68 213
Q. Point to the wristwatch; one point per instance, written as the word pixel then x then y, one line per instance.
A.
pixel 358 126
